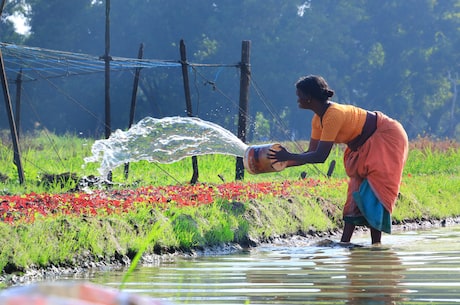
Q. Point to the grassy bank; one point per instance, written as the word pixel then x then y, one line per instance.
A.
pixel 430 190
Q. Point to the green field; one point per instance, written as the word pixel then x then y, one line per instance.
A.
pixel 430 190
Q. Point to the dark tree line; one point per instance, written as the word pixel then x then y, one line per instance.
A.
pixel 399 57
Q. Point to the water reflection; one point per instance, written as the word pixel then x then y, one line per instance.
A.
pixel 374 277
pixel 418 268
pixel 357 275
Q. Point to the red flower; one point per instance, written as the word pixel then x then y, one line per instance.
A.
pixel 23 208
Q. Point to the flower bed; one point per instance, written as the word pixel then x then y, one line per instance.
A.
pixel 25 208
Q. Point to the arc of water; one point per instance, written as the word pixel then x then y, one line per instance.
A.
pixel 164 140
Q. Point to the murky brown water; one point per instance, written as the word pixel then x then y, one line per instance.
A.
pixel 418 267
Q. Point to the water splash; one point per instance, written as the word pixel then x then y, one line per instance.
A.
pixel 164 140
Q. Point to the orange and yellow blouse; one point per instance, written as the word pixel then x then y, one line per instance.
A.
pixel 339 124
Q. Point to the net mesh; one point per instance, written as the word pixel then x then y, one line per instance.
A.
pixel 35 63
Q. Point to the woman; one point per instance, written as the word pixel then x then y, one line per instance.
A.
pixel 377 148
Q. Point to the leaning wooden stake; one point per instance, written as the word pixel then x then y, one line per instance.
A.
pixel 18 102
pixel 188 101
pixel 9 112
pixel 134 98
pixel 244 101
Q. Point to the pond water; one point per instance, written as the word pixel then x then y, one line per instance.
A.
pixel 413 267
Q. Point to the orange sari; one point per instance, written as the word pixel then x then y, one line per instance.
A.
pixel 380 160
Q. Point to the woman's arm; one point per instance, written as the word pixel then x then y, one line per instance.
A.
pixel 313 144
pixel 317 152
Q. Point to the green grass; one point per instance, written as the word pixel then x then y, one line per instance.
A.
pixel 44 153
pixel 430 189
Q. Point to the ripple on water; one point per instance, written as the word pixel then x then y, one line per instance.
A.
pixel 419 267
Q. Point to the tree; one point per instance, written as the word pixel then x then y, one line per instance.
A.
pixel 393 56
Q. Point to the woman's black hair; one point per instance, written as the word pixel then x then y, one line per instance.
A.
pixel 315 86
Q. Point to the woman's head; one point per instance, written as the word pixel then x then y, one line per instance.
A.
pixel 314 87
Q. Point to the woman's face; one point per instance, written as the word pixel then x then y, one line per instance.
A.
pixel 302 100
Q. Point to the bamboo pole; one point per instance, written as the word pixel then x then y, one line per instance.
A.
pixel 245 69
pixel 188 102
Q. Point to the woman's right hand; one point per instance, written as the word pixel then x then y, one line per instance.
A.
pixel 280 155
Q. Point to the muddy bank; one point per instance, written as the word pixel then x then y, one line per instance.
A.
pixel 85 265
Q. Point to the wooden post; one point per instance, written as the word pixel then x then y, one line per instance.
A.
pixel 452 119
pixel 188 102
pixel 9 112
pixel 107 70
pixel 18 101
pixel 107 59
pixel 133 99
pixel 245 69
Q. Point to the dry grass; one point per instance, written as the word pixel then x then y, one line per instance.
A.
pixel 433 144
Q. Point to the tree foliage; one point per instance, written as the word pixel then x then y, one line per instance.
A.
pixel 399 57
